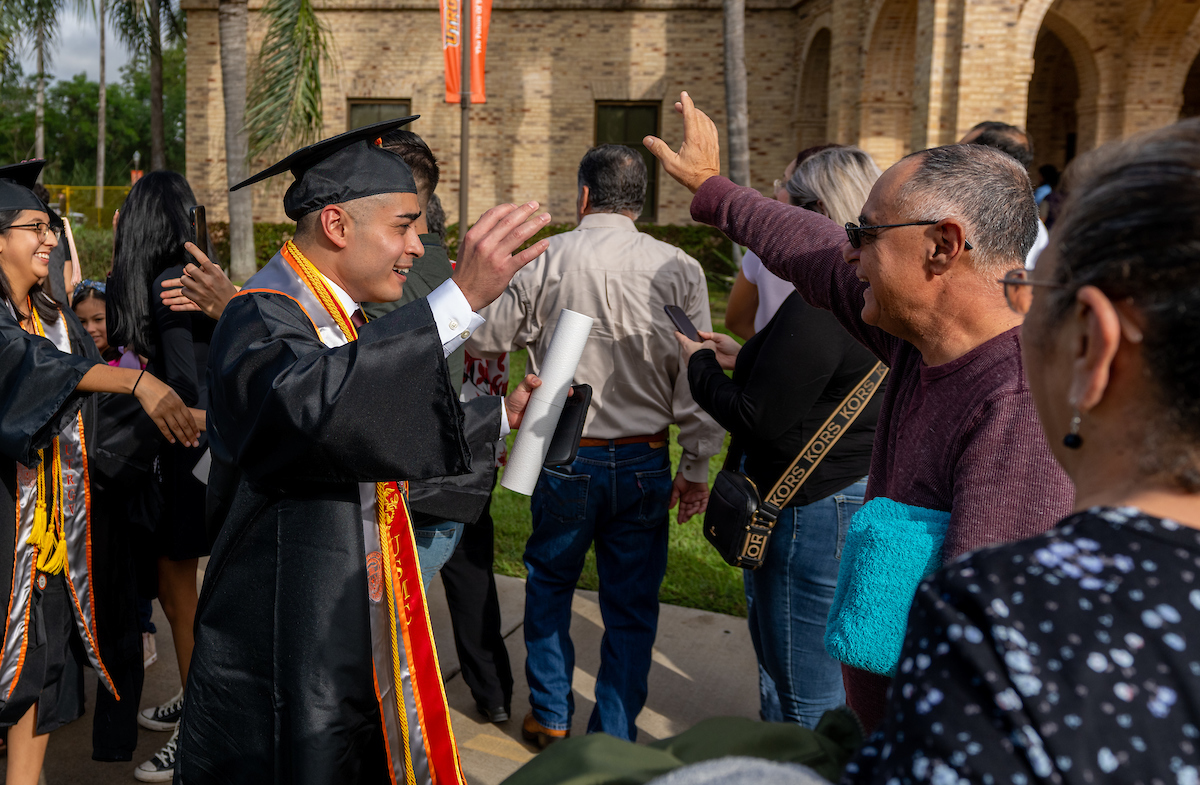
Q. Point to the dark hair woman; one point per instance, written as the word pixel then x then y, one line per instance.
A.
pixel 48 365
pixel 148 250
pixel 787 380
pixel 1072 656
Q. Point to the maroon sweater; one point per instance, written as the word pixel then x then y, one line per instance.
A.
pixel 962 437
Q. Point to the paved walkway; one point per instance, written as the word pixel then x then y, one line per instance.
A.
pixel 703 667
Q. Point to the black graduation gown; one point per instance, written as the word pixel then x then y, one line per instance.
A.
pixel 281 684
pixel 38 400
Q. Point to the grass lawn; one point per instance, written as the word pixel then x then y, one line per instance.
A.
pixel 696 576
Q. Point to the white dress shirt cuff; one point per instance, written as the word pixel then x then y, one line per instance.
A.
pixel 453 316
pixel 505 428
pixel 693 469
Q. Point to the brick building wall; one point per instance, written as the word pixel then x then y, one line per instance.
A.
pixel 890 75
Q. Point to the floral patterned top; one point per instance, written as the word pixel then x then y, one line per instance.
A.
pixel 1071 657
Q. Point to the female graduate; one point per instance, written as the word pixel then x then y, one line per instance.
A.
pixel 48 367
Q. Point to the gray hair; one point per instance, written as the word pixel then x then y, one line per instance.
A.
pixel 616 179
pixel 839 177
pixel 985 189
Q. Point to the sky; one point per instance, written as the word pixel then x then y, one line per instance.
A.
pixel 77 49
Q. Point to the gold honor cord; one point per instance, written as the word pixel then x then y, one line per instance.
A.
pixel 47 535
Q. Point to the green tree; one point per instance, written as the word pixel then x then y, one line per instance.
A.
pixel 141 25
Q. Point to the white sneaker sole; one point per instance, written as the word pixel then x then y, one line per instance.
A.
pixel 150 724
pixel 141 775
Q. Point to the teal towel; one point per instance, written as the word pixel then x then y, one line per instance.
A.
pixel 889 548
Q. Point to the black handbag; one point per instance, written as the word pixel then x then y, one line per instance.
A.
pixel 739 521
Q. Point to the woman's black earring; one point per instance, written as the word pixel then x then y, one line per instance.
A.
pixel 1073 441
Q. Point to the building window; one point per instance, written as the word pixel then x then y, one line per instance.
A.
pixel 627 123
pixel 364 111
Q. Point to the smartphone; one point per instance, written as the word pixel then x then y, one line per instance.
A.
pixel 199 228
pixel 564 444
pixel 682 323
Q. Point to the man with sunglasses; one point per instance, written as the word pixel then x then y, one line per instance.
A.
pixel 915 281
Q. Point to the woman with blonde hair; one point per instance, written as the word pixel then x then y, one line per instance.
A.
pixel 787 380
pixel 834 182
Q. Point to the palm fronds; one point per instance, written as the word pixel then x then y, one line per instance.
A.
pixel 131 18
pixel 284 104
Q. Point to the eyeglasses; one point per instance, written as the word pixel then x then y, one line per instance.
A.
pixel 1016 292
pixel 84 285
pixel 858 233
pixel 41 228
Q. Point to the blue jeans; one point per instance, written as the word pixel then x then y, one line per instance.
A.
pixel 435 546
pixel 787 604
pixel 615 496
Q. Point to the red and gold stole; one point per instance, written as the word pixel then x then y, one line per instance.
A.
pixel 414 660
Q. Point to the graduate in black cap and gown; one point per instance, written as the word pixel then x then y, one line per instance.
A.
pixel 52 555
pixel 314 658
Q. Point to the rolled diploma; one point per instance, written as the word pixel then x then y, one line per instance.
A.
pixel 546 404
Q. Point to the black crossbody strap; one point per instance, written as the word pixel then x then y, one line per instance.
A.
pixel 822 443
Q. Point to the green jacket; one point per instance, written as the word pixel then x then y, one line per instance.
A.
pixel 428 273
pixel 600 759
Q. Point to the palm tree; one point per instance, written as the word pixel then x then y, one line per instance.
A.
pixel 285 100
pixel 232 19
pixel 736 112
pixel 38 20
pixel 735 91
pixel 102 116
pixel 284 108
pixel 141 24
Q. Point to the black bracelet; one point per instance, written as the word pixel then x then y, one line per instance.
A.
pixel 139 380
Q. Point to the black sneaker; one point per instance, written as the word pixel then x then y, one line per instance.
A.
pixel 164 717
pixel 160 768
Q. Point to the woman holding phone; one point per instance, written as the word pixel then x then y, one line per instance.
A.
pixel 148 250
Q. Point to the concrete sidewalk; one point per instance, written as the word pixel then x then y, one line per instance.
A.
pixel 703 667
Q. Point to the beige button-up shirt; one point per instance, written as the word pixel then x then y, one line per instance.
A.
pixel 622 278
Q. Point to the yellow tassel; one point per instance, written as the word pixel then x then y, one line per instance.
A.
pixel 47 534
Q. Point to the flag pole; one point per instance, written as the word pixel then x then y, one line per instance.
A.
pixel 464 167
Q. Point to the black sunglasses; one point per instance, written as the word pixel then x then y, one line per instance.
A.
pixel 856 233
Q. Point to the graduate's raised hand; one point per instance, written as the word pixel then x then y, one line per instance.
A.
pixel 167 410
pixel 699 157
pixel 202 287
pixel 487 258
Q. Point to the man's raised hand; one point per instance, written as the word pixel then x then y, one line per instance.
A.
pixel 486 262
pixel 699 157
pixel 202 287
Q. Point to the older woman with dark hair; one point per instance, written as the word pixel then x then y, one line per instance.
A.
pixel 1073 656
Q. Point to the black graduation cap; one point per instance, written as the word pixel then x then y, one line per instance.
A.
pixel 16 182
pixel 344 167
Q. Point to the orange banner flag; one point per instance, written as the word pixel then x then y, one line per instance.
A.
pixel 481 18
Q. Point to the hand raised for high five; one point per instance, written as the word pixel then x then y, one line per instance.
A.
pixel 486 262
pixel 699 157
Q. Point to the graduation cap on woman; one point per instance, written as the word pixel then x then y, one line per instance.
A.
pixel 16 186
pixel 340 169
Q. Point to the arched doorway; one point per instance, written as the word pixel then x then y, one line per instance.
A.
pixel 887 99
pixel 1191 92
pixel 812 127
pixel 1053 119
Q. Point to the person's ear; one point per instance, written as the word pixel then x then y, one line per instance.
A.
pixel 949 241
pixel 585 198
pixel 1097 330
pixel 334 223
pixel 821 209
